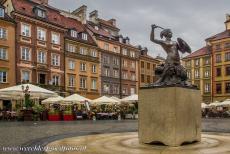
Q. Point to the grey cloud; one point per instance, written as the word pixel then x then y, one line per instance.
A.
pixel 193 20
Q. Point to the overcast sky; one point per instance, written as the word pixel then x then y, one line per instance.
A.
pixel 192 20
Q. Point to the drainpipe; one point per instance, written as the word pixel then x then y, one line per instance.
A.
pixel 120 76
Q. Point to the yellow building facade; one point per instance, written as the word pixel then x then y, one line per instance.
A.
pixel 199 71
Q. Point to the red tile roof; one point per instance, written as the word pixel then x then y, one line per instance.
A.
pixel 100 31
pixel 54 16
pixel 200 52
pixel 219 36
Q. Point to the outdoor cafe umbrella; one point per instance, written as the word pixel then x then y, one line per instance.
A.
pixel 214 104
pixel 53 100
pixel 225 103
pixel 203 106
pixel 75 99
pixel 104 100
pixel 130 99
pixel 117 99
pixel 35 91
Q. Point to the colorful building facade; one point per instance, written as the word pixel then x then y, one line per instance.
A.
pixel 199 71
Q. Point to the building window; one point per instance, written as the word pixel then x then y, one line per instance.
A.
pixel 206 61
pixel 2 12
pixel 41 34
pixel 106 88
pixel 83 67
pixel 197 73
pixel 83 83
pixel 227 56
pixel 132 54
pixel 25 30
pixel 94 84
pixel 71 65
pixel 124 51
pixel 148 79
pixel 227 70
pixel 132 91
pixel 124 91
pixel 84 36
pixel 125 75
pixel 3 33
pixel 71 47
pixel 106 59
pixel 142 64
pixel 3 76
pixel 197 62
pixel 25 53
pixel 83 51
pixel 207 73
pixel 25 76
pixel 189 74
pixel 41 13
pixel 218 58
pixel 207 87
pixel 133 77
pixel 124 63
pixel 94 68
pixel 133 65
pixel 115 89
pixel 93 53
pixel 55 60
pixel 42 57
pixel 218 71
pixel 115 73
pixel 227 45
pixel 227 87
pixel 115 49
pixel 142 78
pixel 56 80
pixel 116 61
pixel 55 38
pixel 106 72
pixel 3 54
pixel 71 81
pixel 148 66
pixel 218 88
pixel 218 47
pixel 106 46
pixel 188 63
pixel 73 33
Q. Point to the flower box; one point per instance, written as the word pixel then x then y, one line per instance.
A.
pixel 67 117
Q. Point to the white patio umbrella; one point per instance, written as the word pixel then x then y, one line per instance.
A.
pixel 35 91
pixel 75 99
pixel 130 99
pixel 53 100
pixel 104 100
pixel 203 105
pixel 214 104
pixel 117 99
pixel 225 103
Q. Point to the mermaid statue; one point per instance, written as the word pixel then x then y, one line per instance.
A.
pixel 171 73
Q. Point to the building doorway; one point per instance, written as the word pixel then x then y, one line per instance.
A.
pixel 7 105
pixel 42 78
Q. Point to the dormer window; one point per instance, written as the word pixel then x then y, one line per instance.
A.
pixel 2 12
pixel 73 33
pixel 84 36
pixel 96 27
pixel 41 13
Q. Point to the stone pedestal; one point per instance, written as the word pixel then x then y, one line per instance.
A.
pixel 170 115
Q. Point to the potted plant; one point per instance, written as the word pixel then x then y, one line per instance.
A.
pixel 54 115
pixel 38 109
pixel 27 111
pixel 68 114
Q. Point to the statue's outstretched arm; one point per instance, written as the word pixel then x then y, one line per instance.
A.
pixel 152 36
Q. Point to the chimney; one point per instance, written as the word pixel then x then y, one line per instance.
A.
pixel 45 2
pixel 81 13
pixel 227 17
pixel 113 22
pixel 127 40
pixel 93 16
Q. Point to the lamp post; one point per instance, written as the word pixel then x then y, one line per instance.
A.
pixel 26 93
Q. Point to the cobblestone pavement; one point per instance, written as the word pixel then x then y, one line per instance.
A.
pixel 41 133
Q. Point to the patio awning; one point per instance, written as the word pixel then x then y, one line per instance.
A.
pixel 225 103
pixel 105 100
pixel 35 91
